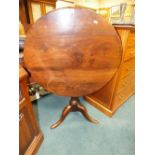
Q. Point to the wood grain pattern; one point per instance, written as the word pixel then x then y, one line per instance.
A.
pixel 121 86
pixel 30 136
pixel 23 14
pixel 72 51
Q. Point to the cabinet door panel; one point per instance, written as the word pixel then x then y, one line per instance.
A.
pixel 130 49
pixel 26 132
pixel 127 68
pixel 48 8
pixel 36 10
pixel 125 89
pixel 126 83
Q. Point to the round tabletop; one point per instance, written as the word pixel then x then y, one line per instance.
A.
pixel 72 51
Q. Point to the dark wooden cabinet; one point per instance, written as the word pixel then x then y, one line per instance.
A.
pixel 30 136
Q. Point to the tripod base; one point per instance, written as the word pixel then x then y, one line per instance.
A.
pixel 74 105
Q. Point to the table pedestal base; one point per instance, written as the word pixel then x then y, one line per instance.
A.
pixel 74 105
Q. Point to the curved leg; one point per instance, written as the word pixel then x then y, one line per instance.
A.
pixel 65 112
pixel 84 111
pixel 74 105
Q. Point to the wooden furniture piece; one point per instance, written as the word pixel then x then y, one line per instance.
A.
pixel 24 14
pixel 121 86
pixel 38 8
pixel 72 57
pixel 30 136
pixel 31 10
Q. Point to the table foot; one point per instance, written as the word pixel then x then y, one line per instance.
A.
pixel 74 105
pixel 84 111
pixel 65 112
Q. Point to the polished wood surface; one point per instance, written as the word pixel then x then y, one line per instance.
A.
pixel 122 85
pixel 30 136
pixel 72 51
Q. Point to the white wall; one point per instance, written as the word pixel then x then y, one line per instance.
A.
pixel 60 4
pixel 95 4
pixel 86 3
pixel 109 3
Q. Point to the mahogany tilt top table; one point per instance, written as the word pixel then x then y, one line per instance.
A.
pixel 72 52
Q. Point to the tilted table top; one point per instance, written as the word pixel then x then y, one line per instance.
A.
pixel 72 51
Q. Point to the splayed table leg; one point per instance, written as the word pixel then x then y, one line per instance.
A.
pixel 74 105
